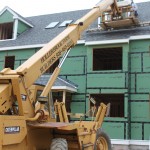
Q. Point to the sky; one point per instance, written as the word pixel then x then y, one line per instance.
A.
pixel 28 8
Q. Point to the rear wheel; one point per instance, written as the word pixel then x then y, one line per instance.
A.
pixel 59 144
pixel 102 141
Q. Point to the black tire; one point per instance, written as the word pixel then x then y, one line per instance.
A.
pixel 59 144
pixel 103 138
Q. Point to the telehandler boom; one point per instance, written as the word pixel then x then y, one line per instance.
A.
pixel 25 123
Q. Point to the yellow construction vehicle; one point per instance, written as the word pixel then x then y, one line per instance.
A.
pixel 26 123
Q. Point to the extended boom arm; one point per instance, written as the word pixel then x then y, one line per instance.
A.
pixel 35 66
pixel 15 84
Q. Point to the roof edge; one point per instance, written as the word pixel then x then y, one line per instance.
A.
pixel 67 82
pixel 31 46
pixel 107 42
pixel 118 41
pixel 21 47
pixel 64 88
pixel 139 37
pixel 81 42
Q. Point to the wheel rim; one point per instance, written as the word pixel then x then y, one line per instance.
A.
pixel 101 144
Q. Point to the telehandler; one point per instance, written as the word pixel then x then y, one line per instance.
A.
pixel 26 123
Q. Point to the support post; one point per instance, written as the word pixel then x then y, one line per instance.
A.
pixel 64 96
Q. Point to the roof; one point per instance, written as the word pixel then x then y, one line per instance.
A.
pixel 39 35
pixel 59 85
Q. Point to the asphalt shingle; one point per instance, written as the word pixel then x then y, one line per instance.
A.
pixel 39 35
pixel 59 82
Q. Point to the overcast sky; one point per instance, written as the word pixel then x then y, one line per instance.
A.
pixel 39 7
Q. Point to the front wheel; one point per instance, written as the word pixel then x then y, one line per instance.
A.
pixel 102 141
pixel 59 144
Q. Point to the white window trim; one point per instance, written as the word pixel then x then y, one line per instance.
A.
pixel 15 28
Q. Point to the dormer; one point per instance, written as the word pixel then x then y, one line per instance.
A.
pixel 12 24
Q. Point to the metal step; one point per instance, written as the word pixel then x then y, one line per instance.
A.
pixel 84 133
pixel 88 145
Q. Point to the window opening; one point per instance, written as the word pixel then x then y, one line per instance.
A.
pixel 116 103
pixel 107 59
pixel 39 92
pixel 6 31
pixel 9 62
pixel 59 97
pixel 52 68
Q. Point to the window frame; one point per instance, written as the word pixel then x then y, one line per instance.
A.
pixel 12 58
pixel 109 49
pixel 52 25
pixel 104 95
pixel 7 28
pixel 65 23
pixel 51 69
